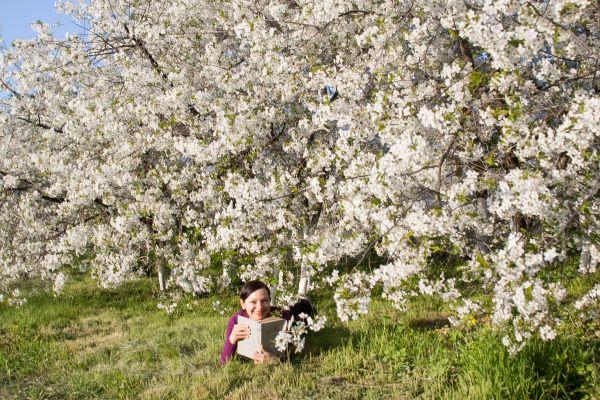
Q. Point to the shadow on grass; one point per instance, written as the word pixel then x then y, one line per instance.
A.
pixel 427 324
pixel 139 294
pixel 565 368
pixel 80 300
pixel 339 335
pixel 85 294
pixel 324 341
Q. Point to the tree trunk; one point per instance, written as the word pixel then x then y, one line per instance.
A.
pixel 303 285
pixel 161 276
pixel 273 288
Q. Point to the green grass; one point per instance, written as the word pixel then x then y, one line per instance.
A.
pixel 92 343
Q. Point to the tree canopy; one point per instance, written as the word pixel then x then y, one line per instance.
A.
pixel 214 139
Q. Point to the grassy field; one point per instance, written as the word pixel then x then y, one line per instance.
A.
pixel 92 343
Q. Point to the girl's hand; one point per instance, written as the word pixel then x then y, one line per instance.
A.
pixel 239 332
pixel 264 357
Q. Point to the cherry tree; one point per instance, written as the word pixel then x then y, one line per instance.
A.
pixel 213 140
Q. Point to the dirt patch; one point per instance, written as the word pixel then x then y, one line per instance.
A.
pixel 91 335
pixel 91 344
pixel 5 395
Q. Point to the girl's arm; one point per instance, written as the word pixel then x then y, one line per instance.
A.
pixel 229 348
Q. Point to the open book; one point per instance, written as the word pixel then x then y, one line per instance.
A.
pixel 261 333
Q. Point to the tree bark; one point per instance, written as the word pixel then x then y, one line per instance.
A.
pixel 161 276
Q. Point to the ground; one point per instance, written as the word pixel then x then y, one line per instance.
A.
pixel 93 343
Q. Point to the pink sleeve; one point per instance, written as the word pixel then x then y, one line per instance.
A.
pixel 229 348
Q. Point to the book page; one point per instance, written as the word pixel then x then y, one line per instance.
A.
pixel 247 347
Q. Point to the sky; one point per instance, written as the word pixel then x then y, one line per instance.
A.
pixel 16 17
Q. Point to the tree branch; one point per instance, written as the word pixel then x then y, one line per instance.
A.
pixel 438 185
pixel 10 89
pixel 157 68
pixel 42 125
pixel 593 191
pixel 349 13
pixel 28 185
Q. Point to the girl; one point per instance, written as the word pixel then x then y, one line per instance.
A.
pixel 255 303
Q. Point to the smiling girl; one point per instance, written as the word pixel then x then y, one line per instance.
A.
pixel 255 301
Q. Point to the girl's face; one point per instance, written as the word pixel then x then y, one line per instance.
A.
pixel 257 305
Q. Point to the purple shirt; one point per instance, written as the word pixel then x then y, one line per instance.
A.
pixel 230 348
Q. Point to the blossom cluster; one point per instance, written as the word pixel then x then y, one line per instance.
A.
pixel 293 334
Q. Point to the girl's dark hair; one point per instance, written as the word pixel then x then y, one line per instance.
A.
pixel 303 306
pixel 251 287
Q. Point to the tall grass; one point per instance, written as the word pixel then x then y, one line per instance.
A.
pixel 93 343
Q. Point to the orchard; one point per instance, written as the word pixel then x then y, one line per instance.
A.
pixel 208 142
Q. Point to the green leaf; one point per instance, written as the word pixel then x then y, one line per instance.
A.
pixel 481 260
